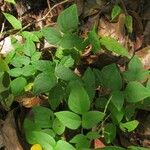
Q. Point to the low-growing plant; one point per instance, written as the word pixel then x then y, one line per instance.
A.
pixel 78 112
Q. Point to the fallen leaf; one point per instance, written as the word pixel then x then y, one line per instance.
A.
pixel 98 143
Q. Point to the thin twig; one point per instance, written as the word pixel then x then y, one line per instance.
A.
pixel 124 7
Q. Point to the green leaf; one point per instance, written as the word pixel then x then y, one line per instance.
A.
pixel 69 119
pixel 94 40
pixel 135 71
pixel 11 1
pixel 28 70
pixel 114 46
pixel 43 139
pixel 117 99
pixel 111 78
pixel 67 61
pixel 115 12
pixel 91 119
pixel 29 47
pixel 58 127
pixel 20 60
pixel 93 135
pixel 3 65
pixel 116 115
pixel 52 35
pixel 68 20
pixel 89 83
pixel 137 148
pixel 15 72
pixel 70 41
pixel 63 144
pixel 56 95
pixel 65 73
pixel 129 126
pixel 78 100
pixel 109 132
pixel 36 56
pixel 43 116
pixel 17 85
pixel 129 23
pixel 136 92
pixel 43 65
pixel 13 21
pixel 30 36
pixel 81 141
pixel 111 148
pixel 44 82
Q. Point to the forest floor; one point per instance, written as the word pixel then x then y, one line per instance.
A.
pixel 36 14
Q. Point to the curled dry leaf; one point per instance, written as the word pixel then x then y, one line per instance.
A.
pixel 144 55
pixel 98 143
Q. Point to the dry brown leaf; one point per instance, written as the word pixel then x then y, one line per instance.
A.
pixel 9 133
pixel 144 55
pixel 98 143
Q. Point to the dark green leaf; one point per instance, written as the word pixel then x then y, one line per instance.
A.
pixel 69 119
pixel 44 82
pixel 68 20
pixel 94 40
pixel 111 78
pixel 89 83
pixel 43 116
pixel 65 73
pixel 17 85
pixel 117 99
pixel 15 72
pixel 43 65
pixel 56 95
pixel 67 61
pixel 78 99
pixel 109 132
pixel 91 119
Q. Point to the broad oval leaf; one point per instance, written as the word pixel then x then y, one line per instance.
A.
pixel 52 35
pixel 13 21
pixel 91 118
pixel 68 20
pixel 78 99
pixel 110 77
pixel 136 92
pixel 17 85
pixel 44 82
pixel 65 73
pixel 69 119
pixel 114 46
pixel 117 98
pixel 63 145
